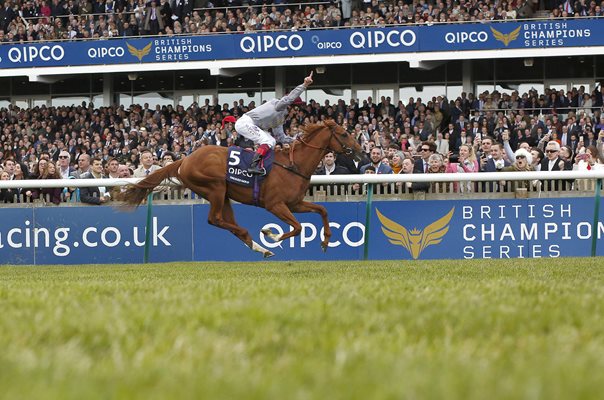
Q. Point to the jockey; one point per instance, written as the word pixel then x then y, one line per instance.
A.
pixel 254 124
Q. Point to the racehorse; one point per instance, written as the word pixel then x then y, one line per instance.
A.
pixel 281 193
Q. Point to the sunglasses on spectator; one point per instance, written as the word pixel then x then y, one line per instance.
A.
pixel 63 156
pixel 425 149
pixel 551 151
pixel 520 157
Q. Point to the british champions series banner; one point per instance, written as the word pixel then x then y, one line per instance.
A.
pixel 403 39
pixel 397 230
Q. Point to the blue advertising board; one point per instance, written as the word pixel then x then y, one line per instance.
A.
pixel 346 223
pixel 93 235
pixel 397 230
pixel 398 39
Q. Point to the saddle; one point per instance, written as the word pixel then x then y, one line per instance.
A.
pixel 238 161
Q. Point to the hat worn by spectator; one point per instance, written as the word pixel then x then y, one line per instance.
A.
pixel 298 101
pixel 230 118
pixel 526 154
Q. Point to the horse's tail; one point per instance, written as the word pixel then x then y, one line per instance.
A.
pixel 136 193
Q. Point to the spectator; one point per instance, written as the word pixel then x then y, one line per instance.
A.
pixel 358 189
pixel 396 163
pixel 7 195
pixel 147 165
pixel 83 166
pixel 466 163
pixel 112 168
pixel 553 162
pixel 95 194
pixel 442 144
pixel 9 168
pixel 495 162
pixel 407 166
pixel 589 160
pixel 523 162
pixel 376 157
pixel 437 166
pixel 168 158
pixel 39 169
pixel 537 156
pixel 330 167
pixel 124 172
pixel 52 194
pixel 65 168
pixel 426 150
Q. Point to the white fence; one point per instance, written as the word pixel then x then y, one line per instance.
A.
pixel 340 179
pixel 357 187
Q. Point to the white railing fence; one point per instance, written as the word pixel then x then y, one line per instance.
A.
pixel 338 179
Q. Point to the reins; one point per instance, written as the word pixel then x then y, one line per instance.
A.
pixel 292 166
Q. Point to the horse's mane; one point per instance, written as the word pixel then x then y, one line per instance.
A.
pixel 311 129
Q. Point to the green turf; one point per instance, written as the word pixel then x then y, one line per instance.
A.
pixel 514 329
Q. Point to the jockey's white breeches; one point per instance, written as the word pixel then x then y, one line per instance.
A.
pixel 245 126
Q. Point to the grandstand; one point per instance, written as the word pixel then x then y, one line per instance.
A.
pixel 110 78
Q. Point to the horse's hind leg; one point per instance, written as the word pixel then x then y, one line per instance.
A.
pixel 229 218
pixel 221 215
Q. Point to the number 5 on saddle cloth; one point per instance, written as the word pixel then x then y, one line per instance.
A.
pixel 238 161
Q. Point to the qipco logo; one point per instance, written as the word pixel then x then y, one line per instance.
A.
pixel 350 235
pixel 373 39
pixel 265 43
pixel 325 45
pixel 32 53
pixel 102 52
pixel 463 37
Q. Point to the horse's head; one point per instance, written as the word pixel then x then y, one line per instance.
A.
pixel 342 141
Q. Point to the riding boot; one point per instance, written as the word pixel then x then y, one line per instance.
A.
pixel 254 168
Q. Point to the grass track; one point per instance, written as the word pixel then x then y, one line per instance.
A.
pixel 513 329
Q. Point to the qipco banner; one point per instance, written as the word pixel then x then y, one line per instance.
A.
pixel 399 39
pixel 415 230
pixel 396 230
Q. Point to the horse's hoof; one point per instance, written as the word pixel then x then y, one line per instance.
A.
pixel 268 254
pixel 273 236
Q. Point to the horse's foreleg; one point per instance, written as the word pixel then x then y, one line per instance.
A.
pixel 281 211
pixel 304 207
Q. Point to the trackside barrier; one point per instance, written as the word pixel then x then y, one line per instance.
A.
pixel 455 228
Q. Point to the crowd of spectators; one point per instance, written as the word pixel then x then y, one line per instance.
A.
pixel 488 132
pixel 46 20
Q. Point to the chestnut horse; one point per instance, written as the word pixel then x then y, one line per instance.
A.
pixel 204 172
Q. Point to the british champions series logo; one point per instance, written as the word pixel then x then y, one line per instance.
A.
pixel 506 39
pixel 415 241
pixel 139 53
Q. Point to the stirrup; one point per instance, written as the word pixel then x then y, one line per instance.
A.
pixel 256 171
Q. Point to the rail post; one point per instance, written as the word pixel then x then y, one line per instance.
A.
pixel 367 220
pixel 148 229
pixel 594 226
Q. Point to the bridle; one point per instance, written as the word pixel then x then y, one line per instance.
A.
pixel 292 166
pixel 345 149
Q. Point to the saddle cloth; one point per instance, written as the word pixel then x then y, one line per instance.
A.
pixel 239 160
